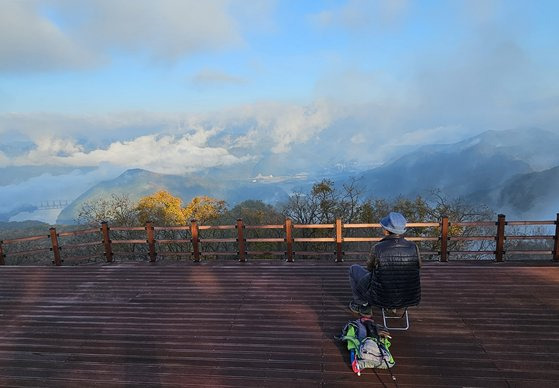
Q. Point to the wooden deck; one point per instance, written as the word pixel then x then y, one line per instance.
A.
pixel 269 324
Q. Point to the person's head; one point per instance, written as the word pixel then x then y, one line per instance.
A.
pixel 393 223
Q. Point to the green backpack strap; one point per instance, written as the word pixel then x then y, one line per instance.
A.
pixel 352 342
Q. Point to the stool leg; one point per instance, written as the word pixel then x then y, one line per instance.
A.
pixel 405 315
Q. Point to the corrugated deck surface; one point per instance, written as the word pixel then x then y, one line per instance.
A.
pixel 269 324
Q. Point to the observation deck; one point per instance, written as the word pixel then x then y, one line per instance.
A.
pixel 266 323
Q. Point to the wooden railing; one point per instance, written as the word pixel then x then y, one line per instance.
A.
pixel 197 241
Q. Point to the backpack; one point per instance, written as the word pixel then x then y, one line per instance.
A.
pixel 368 345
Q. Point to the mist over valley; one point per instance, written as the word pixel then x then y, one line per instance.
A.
pixel 514 172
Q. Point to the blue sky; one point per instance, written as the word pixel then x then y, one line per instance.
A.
pixel 260 82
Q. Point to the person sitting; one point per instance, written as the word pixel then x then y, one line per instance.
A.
pixel 391 279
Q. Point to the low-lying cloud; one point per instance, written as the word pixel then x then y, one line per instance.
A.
pixel 47 187
pixel 264 137
pixel 176 145
pixel 164 154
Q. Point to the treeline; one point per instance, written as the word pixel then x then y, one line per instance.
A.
pixel 322 204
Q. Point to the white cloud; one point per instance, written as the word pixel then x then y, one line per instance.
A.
pixel 358 138
pixel 280 126
pixel 48 148
pixel 362 14
pixel 298 125
pixel 29 41
pixel 96 129
pixel 165 154
pixel 255 15
pixel 66 34
pixel 166 29
pixel 353 85
pixel 166 143
pixel 283 138
pixel 4 160
pixel 247 141
pixel 443 134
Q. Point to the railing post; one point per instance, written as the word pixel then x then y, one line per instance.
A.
pixel 500 238
pixel 444 239
pixel 151 241
pixel 1 254
pixel 107 241
pixel 339 239
pixel 55 247
pixel 289 239
pixel 241 240
pixel 195 240
pixel 555 246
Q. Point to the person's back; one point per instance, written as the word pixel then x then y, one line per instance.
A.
pixel 391 279
pixel 396 278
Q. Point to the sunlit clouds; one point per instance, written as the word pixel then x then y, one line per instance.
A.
pixel 164 154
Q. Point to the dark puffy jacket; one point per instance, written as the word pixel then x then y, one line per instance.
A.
pixel 395 280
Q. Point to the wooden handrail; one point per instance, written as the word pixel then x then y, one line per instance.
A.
pixel 151 241
pixel 156 228
pixel 500 238
pixel 530 223
pixel 81 245
pixel 128 241
pixel 78 232
pixel 241 240
pixel 264 227
pixel 26 239
pixel 332 233
pixel 29 252
pixel 289 239
pixel 444 239
pixel 217 227
pixel 195 240
pixel 107 241
pixel 55 247
pixel 556 245
pixel 314 226
pixel 339 240
pixel 473 223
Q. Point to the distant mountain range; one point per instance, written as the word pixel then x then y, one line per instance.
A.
pixel 137 183
pixel 515 172
pixel 534 194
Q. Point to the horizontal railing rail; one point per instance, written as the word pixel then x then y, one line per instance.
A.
pixel 336 239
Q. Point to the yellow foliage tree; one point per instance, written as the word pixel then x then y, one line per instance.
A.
pixel 204 209
pixel 162 208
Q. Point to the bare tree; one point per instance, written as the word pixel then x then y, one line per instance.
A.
pixel 118 210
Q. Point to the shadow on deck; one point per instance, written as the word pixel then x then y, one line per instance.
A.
pixel 269 324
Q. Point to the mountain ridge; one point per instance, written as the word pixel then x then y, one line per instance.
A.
pixel 470 168
pixel 488 168
pixel 137 183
